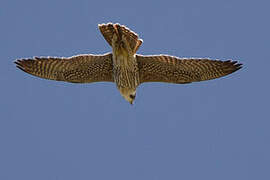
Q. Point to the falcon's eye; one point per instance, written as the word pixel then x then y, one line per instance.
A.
pixel 132 96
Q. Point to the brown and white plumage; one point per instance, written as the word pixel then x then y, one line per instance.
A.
pixel 109 30
pixel 164 68
pixel 124 44
pixel 76 69
pixel 124 67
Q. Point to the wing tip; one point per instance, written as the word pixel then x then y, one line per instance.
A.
pixel 234 65
pixel 229 67
pixel 21 68
pixel 20 64
pixel 25 64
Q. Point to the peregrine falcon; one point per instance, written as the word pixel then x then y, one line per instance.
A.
pixel 124 67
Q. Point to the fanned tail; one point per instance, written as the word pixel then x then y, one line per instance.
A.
pixel 109 29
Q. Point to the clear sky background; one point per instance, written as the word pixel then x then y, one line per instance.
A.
pixel 211 130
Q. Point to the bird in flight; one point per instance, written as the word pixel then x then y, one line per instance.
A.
pixel 124 67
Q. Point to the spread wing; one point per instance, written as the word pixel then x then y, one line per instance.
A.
pixel 77 69
pixel 164 68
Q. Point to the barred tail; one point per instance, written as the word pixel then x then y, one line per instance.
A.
pixel 109 29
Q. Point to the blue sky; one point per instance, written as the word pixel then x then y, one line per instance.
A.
pixel 217 129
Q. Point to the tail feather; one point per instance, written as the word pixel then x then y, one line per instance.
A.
pixel 108 30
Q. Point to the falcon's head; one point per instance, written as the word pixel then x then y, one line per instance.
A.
pixel 128 94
